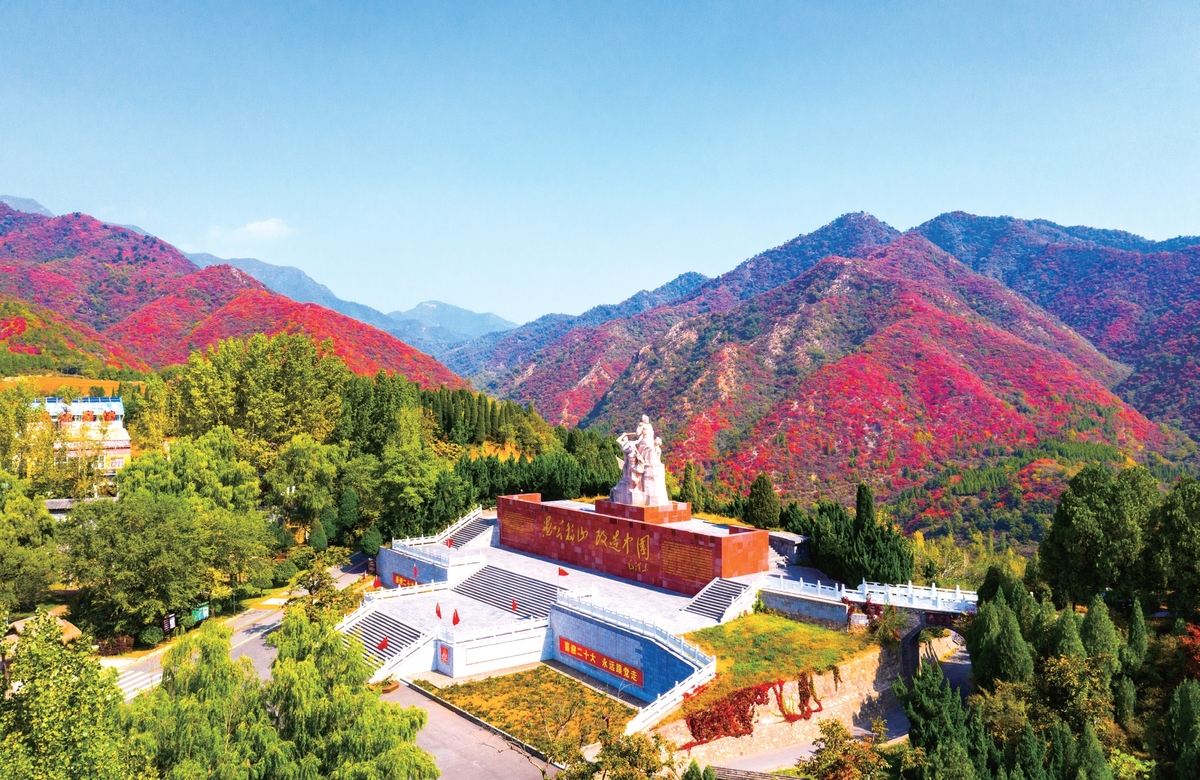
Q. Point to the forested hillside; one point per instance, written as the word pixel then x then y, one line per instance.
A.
pixel 147 296
pixel 1138 301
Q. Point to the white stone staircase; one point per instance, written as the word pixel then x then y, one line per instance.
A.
pixel 500 587
pixel 715 598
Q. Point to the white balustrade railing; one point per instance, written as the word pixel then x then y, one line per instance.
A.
pixel 657 710
pixel 445 534
pixel 453 635
pixel 401 592
pixel 911 596
pixel 687 651
pixel 439 556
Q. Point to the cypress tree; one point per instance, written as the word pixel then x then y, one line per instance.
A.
pixel 1133 655
pixel 1099 638
pixel 864 507
pixel 1060 759
pixel 481 419
pixel 934 709
pixel 348 510
pixel 1066 637
pixel 329 522
pixel 1092 765
pixel 979 745
pixel 692 772
pixel 1124 701
pixel 690 490
pixel 981 636
pixel 1183 722
pixel 316 536
pixel 371 541
pixel 763 506
pixel 1043 627
pixel 1031 753
pixel 1014 663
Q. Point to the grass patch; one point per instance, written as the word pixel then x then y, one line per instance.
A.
pixel 762 648
pixel 545 708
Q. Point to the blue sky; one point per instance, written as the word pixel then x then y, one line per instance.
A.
pixel 528 158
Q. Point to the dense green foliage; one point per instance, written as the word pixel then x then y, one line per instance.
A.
pixel 762 505
pixel 64 721
pixel 853 549
pixel 29 556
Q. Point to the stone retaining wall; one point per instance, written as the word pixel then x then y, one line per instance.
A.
pixel 865 692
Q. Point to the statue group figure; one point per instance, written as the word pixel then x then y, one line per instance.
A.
pixel 643 477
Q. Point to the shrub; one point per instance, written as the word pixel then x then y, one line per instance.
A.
pixel 186 621
pixel 371 541
pixel 283 573
pixel 151 636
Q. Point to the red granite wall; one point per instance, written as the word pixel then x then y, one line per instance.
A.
pixel 649 553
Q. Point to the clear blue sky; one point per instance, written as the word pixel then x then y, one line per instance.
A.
pixel 524 159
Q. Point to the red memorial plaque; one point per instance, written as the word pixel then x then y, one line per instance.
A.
pixel 600 661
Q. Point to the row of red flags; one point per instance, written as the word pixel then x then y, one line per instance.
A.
pixel 437 608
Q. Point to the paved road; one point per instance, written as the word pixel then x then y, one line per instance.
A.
pixel 463 750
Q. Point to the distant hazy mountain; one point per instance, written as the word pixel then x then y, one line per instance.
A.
pixel 425 333
pixel 454 318
pixel 27 205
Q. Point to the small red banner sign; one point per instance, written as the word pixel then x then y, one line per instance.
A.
pixel 600 661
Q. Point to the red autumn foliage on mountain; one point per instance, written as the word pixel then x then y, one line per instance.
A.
pixel 143 293
pixel 882 369
pixel 565 365
pixel 1137 300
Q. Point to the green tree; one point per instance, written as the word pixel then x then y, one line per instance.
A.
pixel 936 718
pixel 29 558
pixel 1031 754
pixel 1177 545
pixel 208 716
pixel 303 477
pixel 690 490
pixel 1014 662
pixel 841 756
pixel 63 721
pixel 1133 654
pixel 1099 637
pixel 763 507
pixel 207 467
pixel 348 516
pixel 316 536
pixel 335 727
pixel 1092 764
pixel 1099 534
pixel 1183 729
pixel 1060 757
pixel 632 757
pixel 371 541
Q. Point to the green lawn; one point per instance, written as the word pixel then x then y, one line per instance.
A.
pixel 543 707
pixel 763 648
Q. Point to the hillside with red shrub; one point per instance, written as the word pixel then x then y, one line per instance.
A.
pixel 566 365
pixel 35 340
pixel 885 369
pixel 146 296
pixel 1137 300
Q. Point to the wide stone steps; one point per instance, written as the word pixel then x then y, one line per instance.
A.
pixel 500 587
pixel 715 598
pixel 470 532
pixel 374 627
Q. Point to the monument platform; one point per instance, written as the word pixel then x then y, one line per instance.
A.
pixel 660 546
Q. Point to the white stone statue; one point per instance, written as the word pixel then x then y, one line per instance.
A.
pixel 643 476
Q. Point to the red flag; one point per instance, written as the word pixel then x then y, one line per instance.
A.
pixel 449 542
pixel 455 621
pixel 562 572
pixel 376 585
pixel 382 644
pixel 415 577
pixel 514 605
pixel 438 610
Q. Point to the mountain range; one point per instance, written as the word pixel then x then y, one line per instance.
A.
pixel 966 351
pixel 431 326
pixel 146 304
